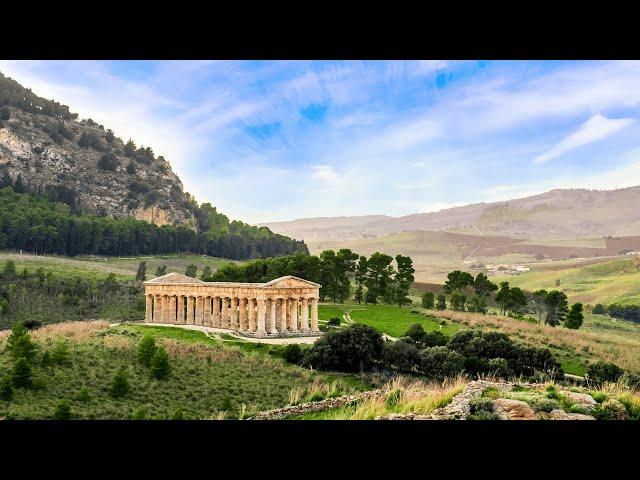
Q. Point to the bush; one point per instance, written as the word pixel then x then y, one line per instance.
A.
pixel 63 411
pixel 293 353
pixel 83 395
pixel 119 386
pixel 483 416
pixel 480 404
pixel 416 332
pixel 434 339
pixel 545 405
pixel 21 374
pixel 334 322
pixel 108 162
pixel 400 356
pixel 601 372
pixel 146 349
pixel 352 349
pixel 428 300
pixel 139 414
pixel 611 410
pixel 440 362
pixel 6 388
pixel 498 367
pixel 599 309
pixel 60 352
pixel 32 324
pixel 160 367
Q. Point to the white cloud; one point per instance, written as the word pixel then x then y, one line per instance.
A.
pixel 325 173
pixel 594 129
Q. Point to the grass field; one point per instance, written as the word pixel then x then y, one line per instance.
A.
pixel 388 319
pixel 209 379
pixel 615 281
pixel 125 268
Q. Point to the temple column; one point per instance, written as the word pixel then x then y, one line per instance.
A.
pixel 235 314
pixel 157 309
pixel 181 318
pixel 262 310
pixel 165 309
pixel 172 309
pixel 190 318
pixel 293 326
pixel 314 315
pixel 305 315
pixel 199 309
pixel 242 313
pixel 272 318
pixel 283 315
pixel 148 308
pixel 224 313
pixel 216 312
pixel 251 305
pixel 207 311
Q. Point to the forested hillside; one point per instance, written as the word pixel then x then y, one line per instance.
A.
pixel 82 190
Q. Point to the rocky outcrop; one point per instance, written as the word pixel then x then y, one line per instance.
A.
pixel 507 409
pixel 562 415
pixel 583 399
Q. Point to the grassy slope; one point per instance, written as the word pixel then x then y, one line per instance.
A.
pixel 207 376
pixel 614 281
pixel 125 268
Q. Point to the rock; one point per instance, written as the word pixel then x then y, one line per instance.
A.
pixel 508 409
pixel 583 399
pixel 562 415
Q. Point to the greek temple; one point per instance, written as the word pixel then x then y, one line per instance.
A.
pixel 276 308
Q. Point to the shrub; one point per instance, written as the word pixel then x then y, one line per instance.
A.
pixel 119 386
pixel 139 414
pixel 440 362
pixel 611 410
pixel 109 162
pixel 178 414
pixel 599 309
pixel 293 353
pixel 63 411
pixel 19 343
pixel 60 352
pixel 83 395
pixel 400 356
pixel 21 374
pixel 146 349
pixel 32 324
pixel 416 332
pixel 160 367
pixel 545 405
pixel 6 388
pixel 334 322
pixel 434 339
pixel 498 367
pixel 601 372
pixel 442 302
pixel 354 348
pixel 480 404
pixel 577 408
pixel 483 416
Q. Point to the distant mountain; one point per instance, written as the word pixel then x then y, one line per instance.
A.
pixel 557 214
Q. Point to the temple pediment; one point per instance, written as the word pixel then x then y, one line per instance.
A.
pixel 290 281
pixel 172 278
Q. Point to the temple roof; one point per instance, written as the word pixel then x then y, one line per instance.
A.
pixel 288 281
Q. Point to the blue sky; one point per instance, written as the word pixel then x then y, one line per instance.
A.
pixel 267 141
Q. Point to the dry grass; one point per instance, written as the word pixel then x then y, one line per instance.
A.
pixel 319 390
pixel 77 331
pixel 200 351
pixel 117 341
pixel 611 347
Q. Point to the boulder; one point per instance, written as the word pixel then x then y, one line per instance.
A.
pixel 583 399
pixel 507 409
pixel 562 415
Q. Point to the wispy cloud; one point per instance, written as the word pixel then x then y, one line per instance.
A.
pixel 594 129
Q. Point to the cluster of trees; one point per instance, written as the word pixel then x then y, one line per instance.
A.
pixel 31 222
pixel 15 95
pixel 627 312
pixel 513 301
pixel 360 347
pixel 375 277
pixel 42 296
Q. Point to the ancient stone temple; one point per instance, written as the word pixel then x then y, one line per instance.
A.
pixel 279 307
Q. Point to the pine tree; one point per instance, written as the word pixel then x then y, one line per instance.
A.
pixel 119 386
pixel 21 374
pixel 161 270
pixel 574 317
pixel 160 367
pixel 403 280
pixel 191 271
pixel 146 349
pixel 141 274
pixel 428 299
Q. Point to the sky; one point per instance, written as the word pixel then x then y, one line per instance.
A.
pixel 280 140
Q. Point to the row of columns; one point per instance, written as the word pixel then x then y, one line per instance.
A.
pixel 253 315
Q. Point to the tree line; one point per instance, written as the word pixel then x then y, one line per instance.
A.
pixel 33 223
pixel 552 305
pixel 376 278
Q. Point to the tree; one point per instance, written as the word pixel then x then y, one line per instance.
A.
pixel 428 299
pixel 415 332
pixel 191 271
pixel 379 273
pixel 503 297
pixel 161 270
pixel 557 304
pixel 60 352
pixel 484 286
pixel 146 349
pixel 109 136
pixel 601 372
pixel 517 300
pixel 119 386
pixel 457 280
pixel 478 303
pixel 360 277
pixel 6 388
pixel 206 273
pixel 19 343
pixel 538 299
pixel 160 367
pixel 458 299
pixel 574 317
pixel 599 309
pixel 293 353
pixel 9 269
pixel 130 148
pixel 401 356
pixel 403 280
pixel 21 374
pixel 442 302
pixel 141 274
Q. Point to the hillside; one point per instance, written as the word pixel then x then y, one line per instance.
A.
pixel 48 155
pixel 557 214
